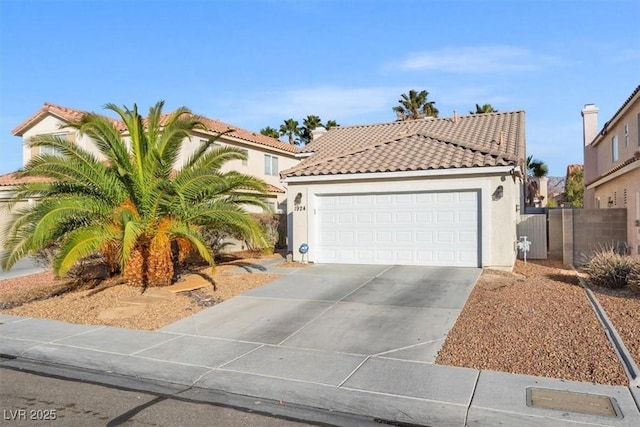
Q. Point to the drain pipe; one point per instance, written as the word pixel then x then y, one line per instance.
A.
pixel 632 371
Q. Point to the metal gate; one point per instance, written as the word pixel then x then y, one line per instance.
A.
pixel 534 227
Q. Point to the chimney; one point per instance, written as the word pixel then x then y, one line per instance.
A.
pixel 455 116
pixel 317 133
pixel 589 123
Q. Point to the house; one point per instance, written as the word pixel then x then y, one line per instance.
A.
pixel 266 156
pixel 434 192
pixel 612 163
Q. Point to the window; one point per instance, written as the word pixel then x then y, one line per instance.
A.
pixel 212 146
pixel 614 148
pixel 52 150
pixel 272 206
pixel 270 165
pixel 245 162
pixel 626 135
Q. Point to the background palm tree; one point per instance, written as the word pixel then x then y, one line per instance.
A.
pixel 414 105
pixel 269 131
pixel 309 123
pixel 134 209
pixel 291 130
pixel 535 169
pixel 331 124
pixel 482 109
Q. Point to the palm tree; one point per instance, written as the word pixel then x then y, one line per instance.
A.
pixel 290 129
pixel 414 105
pixel 134 208
pixel 482 109
pixel 331 124
pixel 308 125
pixel 535 169
pixel 269 131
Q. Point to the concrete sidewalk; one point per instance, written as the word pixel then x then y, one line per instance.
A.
pixel 228 348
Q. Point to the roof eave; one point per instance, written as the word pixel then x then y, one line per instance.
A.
pixel 476 170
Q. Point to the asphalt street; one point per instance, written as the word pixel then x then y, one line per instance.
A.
pixel 28 399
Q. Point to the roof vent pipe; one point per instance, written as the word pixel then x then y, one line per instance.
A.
pixel 501 141
pixel 455 116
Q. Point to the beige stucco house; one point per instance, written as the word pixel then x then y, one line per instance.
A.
pixel 435 192
pixel 612 163
pixel 266 156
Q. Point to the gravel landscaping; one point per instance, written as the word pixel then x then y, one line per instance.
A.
pixel 534 321
pixel 623 309
pixel 85 307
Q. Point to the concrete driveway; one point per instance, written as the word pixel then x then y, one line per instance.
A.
pixel 399 312
pixel 24 267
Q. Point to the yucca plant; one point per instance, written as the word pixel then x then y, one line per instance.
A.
pixel 609 269
pixel 136 207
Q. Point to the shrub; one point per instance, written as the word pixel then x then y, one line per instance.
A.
pixel 609 269
pixel 633 278
pixel 270 223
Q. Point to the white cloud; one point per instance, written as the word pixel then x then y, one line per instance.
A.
pixel 476 60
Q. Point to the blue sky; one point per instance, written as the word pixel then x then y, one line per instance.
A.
pixel 254 63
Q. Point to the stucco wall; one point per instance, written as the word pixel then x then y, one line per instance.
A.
pixel 51 125
pixel 254 164
pixel 616 188
pixel 497 217
pixel 5 215
pixel 602 148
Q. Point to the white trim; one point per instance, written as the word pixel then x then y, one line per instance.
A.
pixel 405 174
pixel 619 172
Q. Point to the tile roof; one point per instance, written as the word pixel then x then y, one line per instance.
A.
pixel 70 114
pixel 629 161
pixel 622 107
pixel 492 139
pixel 10 179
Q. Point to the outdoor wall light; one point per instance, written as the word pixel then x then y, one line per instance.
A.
pixel 610 202
pixel 497 195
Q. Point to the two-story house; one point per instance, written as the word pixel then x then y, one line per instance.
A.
pixel 266 156
pixel 612 163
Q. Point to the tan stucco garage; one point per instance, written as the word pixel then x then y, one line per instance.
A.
pixel 410 198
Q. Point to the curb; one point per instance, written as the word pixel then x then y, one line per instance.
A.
pixel 633 373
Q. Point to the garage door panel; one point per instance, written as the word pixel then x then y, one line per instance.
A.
pixel 404 236
pixel 384 236
pixel 408 228
pixel 424 236
pixel 445 237
pixel 424 217
pixel 365 218
pixel 445 217
pixel 404 218
pixel 445 198
pixel 469 196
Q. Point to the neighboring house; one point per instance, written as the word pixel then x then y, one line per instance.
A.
pixel 435 192
pixel 266 156
pixel 612 163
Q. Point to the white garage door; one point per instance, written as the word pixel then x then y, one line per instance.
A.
pixel 435 228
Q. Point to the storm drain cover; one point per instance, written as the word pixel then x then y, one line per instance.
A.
pixel 582 403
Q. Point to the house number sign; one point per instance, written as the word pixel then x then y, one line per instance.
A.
pixel 297 203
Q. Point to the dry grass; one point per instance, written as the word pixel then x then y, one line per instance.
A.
pixel 537 321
